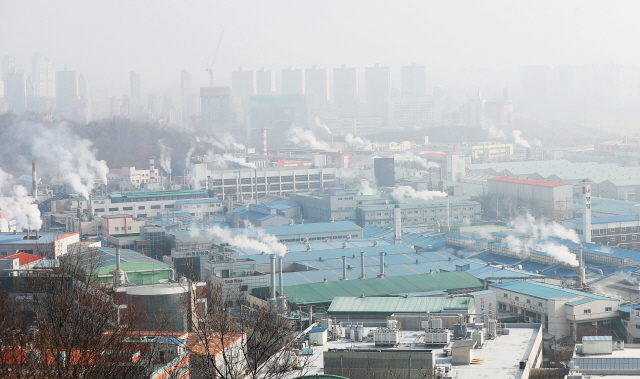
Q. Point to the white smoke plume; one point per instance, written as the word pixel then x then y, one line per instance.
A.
pixel 213 142
pixel 494 132
pixel 410 157
pixel 358 141
pixel 240 161
pixel 406 194
pixel 190 166
pixel 346 173
pixel 537 234
pixel 230 142
pixel 250 238
pixel 321 125
pixel 367 189
pixel 518 139
pixel 58 151
pixel 305 138
pixel 16 203
pixel 165 156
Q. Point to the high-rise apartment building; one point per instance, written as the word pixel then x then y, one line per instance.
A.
pixel 66 90
pixel 265 82
pixel 378 89
pixel 292 82
pixel 43 77
pixel 215 110
pixel 243 83
pixel 186 95
pixel 8 64
pixel 135 103
pixel 413 81
pixel 316 87
pixel 15 90
pixel 345 90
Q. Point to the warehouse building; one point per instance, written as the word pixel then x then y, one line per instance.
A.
pixel 615 231
pixel 543 199
pixel 383 307
pixel 420 213
pixel 559 310
pixel 48 245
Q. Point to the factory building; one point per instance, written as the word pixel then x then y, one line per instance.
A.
pixel 543 199
pixel 256 215
pixel 48 245
pixel 420 213
pixel 245 184
pixel 337 205
pixel 601 356
pixel 200 207
pixel 382 307
pixel 630 317
pixel 560 310
pixel 488 151
pixel 615 231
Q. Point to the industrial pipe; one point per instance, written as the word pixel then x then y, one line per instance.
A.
pixel 344 267
pixel 382 274
pixel 280 278
pixel 273 276
pixel 362 273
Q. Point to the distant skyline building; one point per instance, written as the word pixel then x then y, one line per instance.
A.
pixel 413 81
pixel 135 103
pixel 66 90
pixel 216 115
pixel 265 82
pixel 316 87
pixel 345 90
pixel 378 89
pixel 293 81
pixel 186 95
pixel 243 83
pixel 15 90
pixel 8 64
pixel 43 77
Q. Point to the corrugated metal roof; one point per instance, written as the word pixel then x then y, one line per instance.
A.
pixel 325 292
pixel 544 290
pixel 581 301
pixel 608 219
pixel 318 330
pixel 527 181
pixel 390 305
pixel 338 226
pixel 596 338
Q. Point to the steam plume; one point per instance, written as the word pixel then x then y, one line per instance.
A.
pixel 358 142
pixel 305 138
pixel 320 124
pixel 165 156
pixel 406 194
pixel 519 140
pixel 367 189
pixel 16 204
pixel 409 157
pixel 250 238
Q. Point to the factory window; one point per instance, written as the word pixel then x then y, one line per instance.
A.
pixel 624 229
pixel 539 303
pixel 607 309
pixel 155 207
pixel 113 209
pixel 637 326
pixel 603 231
pixel 171 206
pixel 99 209
pixel 117 229
pixel 141 207
pixel 612 230
pixel 517 298
pixel 595 231
pixel 127 208
pixel 634 237
pixel 528 301
pixel 587 311
pixel 612 239
pixel 623 238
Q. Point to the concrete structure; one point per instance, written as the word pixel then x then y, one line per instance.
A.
pixel 420 213
pixel 489 151
pixel 12 265
pixel 614 231
pixel 543 199
pixel 630 317
pixel 599 355
pixel 245 184
pixel 48 245
pixel 337 205
pixel 559 310
pixel 318 336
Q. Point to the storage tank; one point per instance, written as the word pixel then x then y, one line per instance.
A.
pixel 478 336
pixel 392 324
pixel 360 333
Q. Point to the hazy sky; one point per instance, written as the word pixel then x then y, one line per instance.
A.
pixel 107 39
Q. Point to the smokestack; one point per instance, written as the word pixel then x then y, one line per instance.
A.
pixel 528 153
pixel 430 185
pixel 362 273
pixel 273 275
pixel 236 220
pixel 310 315
pixel 344 267
pixel 397 225
pixel 118 277
pixel 382 274
pixel 264 141
pixel 581 269
pixel 440 183
pixel 280 277
pixel 90 207
pixel 586 210
pixel 34 182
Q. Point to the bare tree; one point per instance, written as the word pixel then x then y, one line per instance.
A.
pixel 232 337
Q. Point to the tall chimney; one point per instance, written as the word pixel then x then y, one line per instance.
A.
pixel 273 275
pixel 397 225
pixel 280 278
pixel 118 277
pixel 264 141
pixel 586 210
pixel 430 185
pixel 34 182
pixel 382 274
pixel 344 267
pixel 362 273
pixel 581 269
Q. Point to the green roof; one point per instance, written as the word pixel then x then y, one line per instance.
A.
pixel 393 285
pixel 391 305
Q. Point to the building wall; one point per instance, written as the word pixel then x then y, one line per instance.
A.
pixel 425 213
pixel 550 202
pixel 356 364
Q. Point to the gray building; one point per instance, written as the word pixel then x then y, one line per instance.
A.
pixel 420 213
pixel 615 231
pixel 543 199
pixel 336 205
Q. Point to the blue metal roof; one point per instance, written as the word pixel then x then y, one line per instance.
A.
pixel 607 219
pixel 198 201
pixel 581 301
pixel 321 227
pixel 281 205
pixel 318 330
pixel 628 308
pixel 596 338
pixel 544 290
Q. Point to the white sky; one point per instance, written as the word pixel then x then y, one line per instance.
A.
pixel 107 39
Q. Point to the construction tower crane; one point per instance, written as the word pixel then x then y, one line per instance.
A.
pixel 210 66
